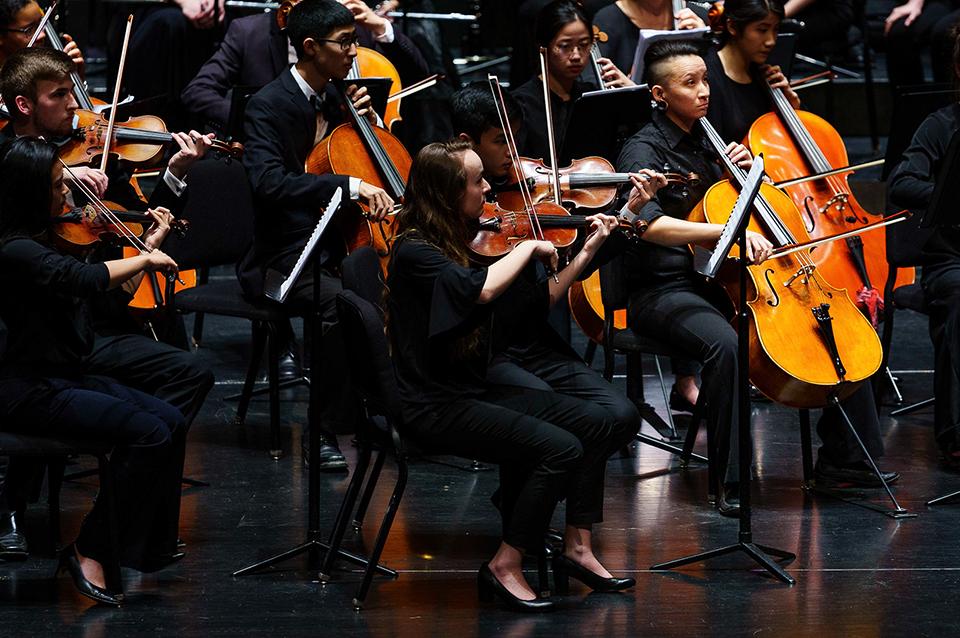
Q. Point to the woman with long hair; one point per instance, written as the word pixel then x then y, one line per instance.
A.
pixel 448 321
pixel 45 386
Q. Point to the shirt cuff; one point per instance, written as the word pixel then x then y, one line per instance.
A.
pixel 387 37
pixel 176 184
pixel 355 188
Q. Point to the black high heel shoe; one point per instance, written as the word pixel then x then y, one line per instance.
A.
pixel 563 568
pixel 68 561
pixel 488 588
pixel 680 403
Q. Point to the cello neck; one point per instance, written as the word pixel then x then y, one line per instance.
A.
pixel 393 181
pixel 595 65
pixel 79 87
pixel 677 6
pixel 816 160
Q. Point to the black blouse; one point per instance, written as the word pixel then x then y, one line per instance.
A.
pixel 433 312
pixel 44 309
pixel 534 142
pixel 663 146
pixel 734 107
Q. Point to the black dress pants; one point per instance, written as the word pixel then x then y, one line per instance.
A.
pixel 942 289
pixel 905 45
pixel 548 445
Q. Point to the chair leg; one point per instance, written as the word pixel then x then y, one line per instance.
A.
pixel 693 430
pixel 108 493
pixel 55 470
pixel 589 352
pixel 806 444
pixel 666 400
pixel 197 329
pixel 343 514
pixel 384 532
pixel 368 492
pixel 273 366
pixel 259 341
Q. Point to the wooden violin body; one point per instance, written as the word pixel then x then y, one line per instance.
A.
pixel 590 182
pixel 792 356
pixel 501 230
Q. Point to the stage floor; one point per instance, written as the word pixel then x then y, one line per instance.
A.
pixel 859 573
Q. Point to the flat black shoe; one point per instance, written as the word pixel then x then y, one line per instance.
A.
pixel 564 568
pixel 679 403
pixel 729 502
pixel 68 561
pixel 488 588
pixel 331 458
pixel 857 475
pixel 13 544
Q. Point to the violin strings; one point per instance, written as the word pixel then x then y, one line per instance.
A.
pixel 102 209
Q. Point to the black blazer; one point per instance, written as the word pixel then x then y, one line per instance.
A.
pixel 280 125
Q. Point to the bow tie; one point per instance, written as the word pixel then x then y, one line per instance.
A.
pixel 317 101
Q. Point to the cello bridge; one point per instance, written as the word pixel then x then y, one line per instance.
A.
pixel 839 200
pixel 803 273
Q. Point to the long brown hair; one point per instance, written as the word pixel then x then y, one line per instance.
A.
pixel 431 208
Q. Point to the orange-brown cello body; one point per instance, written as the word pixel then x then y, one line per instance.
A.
pixel 789 359
pixel 373 64
pixel 827 205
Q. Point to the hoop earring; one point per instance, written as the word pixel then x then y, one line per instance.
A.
pixel 662 105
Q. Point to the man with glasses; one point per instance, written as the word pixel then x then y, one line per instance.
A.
pixel 284 121
pixel 19 20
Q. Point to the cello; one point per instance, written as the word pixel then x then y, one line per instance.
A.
pixel 809 343
pixel 799 144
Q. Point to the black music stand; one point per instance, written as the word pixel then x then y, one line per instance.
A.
pixel 737 228
pixel 596 119
pixel 314 543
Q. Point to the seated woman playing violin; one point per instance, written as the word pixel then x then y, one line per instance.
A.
pixel 48 387
pixel 670 302
pixel 448 321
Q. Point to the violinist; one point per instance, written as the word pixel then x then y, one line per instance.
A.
pixel 738 69
pixel 50 386
pixel 37 83
pixel 284 121
pixel 911 186
pixel 475 120
pixel 670 302
pixel 622 21
pixel 447 320
pixel 19 20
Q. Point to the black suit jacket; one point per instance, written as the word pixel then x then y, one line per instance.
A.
pixel 254 52
pixel 280 126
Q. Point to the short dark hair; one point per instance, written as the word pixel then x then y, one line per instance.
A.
pixel 656 58
pixel 474 111
pixel 27 67
pixel 315 19
pixel 25 194
pixel 9 10
pixel 741 13
pixel 556 15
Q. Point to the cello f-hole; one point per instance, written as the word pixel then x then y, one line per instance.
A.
pixel 806 207
pixel 773 289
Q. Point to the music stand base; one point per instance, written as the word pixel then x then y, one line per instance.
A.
pixel 667 447
pixel 944 498
pixel 759 553
pixel 841 495
pixel 314 546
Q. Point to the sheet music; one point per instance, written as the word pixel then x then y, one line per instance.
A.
pixel 708 263
pixel 278 290
pixel 650 36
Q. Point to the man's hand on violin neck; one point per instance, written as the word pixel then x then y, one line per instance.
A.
pixel 93 178
pixel 193 146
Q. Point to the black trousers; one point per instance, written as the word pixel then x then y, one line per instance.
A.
pixel 942 290
pixel 694 320
pixel 905 45
pixel 143 429
pixel 548 446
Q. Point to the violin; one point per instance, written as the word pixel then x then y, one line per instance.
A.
pixel 81 227
pixel 374 155
pixel 138 140
pixel 809 343
pixel 797 144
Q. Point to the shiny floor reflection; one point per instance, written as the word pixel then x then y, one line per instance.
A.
pixel 858 572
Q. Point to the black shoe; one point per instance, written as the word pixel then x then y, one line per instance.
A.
pixel 331 458
pixel 678 402
pixel 564 568
pixel 68 561
pixel 13 544
pixel 488 588
pixel 729 502
pixel 289 367
pixel 857 475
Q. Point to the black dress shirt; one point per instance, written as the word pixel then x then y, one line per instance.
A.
pixel 663 146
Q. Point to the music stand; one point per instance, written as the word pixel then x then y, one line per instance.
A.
pixel 596 118
pixel 709 263
pixel 377 88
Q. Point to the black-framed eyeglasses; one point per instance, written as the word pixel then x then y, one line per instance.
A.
pixel 27 30
pixel 345 43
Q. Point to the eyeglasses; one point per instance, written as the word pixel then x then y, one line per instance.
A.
pixel 345 43
pixel 27 30
pixel 566 49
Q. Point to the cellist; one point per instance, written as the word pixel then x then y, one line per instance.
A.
pixel 283 122
pixel 668 301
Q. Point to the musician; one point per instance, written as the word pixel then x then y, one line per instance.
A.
pixel 255 51
pixel 19 20
pixel 738 70
pixel 37 86
pixel 826 26
pixel 622 21
pixel 910 28
pixel 447 320
pixel 911 185
pixel 284 121
pixel 475 120
pixel 49 386
pixel 670 302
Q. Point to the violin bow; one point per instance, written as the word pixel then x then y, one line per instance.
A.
pixel 102 209
pixel 116 96
pixel 43 24
pixel 551 137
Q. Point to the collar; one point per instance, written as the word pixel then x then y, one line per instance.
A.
pixel 305 88
pixel 672 133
